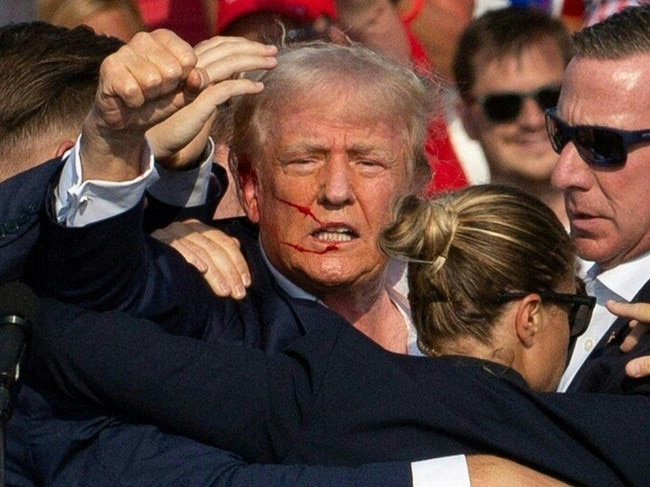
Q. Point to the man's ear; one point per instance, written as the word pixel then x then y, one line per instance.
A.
pixel 249 186
pixel 64 145
pixel 464 111
pixel 528 319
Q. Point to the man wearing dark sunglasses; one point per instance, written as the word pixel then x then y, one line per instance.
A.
pixel 508 69
pixel 601 130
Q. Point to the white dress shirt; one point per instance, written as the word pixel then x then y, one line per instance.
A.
pixel 80 203
pixel 621 283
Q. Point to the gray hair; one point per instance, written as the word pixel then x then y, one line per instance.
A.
pixel 389 89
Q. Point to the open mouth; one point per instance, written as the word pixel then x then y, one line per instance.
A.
pixel 335 234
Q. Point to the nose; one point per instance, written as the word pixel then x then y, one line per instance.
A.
pixel 571 171
pixel 336 186
pixel 532 114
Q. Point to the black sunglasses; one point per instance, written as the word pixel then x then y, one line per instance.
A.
pixel 505 107
pixel 310 32
pixel 597 146
pixel 582 306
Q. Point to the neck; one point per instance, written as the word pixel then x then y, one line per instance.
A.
pixel 501 347
pixel 372 312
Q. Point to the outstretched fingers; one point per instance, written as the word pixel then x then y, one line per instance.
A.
pixel 216 255
pixel 223 58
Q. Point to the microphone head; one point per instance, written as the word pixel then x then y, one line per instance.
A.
pixel 17 298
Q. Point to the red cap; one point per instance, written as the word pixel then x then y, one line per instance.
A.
pixel 303 10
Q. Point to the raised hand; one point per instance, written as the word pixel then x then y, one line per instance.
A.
pixel 179 140
pixel 147 81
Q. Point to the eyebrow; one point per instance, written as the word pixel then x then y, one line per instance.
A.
pixel 358 149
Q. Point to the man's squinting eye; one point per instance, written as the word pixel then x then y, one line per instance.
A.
pixel 299 166
pixel 371 166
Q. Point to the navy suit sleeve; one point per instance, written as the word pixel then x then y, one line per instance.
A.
pixel 243 400
pixel 113 264
pixel 159 214
pixel 144 456
pixel 117 453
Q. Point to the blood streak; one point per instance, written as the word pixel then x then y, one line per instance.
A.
pixel 302 209
pixel 329 248
pixel 307 212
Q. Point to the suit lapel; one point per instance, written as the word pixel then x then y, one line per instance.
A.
pixel 610 342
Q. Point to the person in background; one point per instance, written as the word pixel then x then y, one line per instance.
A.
pixel 508 69
pixel 117 18
pixel 435 26
pixel 192 20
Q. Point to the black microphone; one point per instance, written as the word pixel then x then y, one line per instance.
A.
pixel 18 305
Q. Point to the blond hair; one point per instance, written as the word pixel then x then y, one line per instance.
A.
pixel 466 248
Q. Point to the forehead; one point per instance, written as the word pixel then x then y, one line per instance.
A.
pixel 532 66
pixel 347 121
pixel 612 93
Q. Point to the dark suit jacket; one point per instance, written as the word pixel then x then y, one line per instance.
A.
pixel 21 200
pixel 604 369
pixel 58 443
pixel 334 397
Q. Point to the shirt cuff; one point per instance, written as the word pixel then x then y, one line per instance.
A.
pixel 449 471
pixel 185 188
pixel 78 204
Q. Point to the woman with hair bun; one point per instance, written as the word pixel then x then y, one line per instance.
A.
pixel 491 276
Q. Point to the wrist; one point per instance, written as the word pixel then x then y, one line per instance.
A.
pixel 109 155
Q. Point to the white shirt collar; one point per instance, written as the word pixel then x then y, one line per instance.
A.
pixel 287 286
pixel 626 279
pixel 396 287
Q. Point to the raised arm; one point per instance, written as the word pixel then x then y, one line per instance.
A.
pixel 149 80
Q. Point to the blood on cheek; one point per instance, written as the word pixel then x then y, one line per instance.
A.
pixel 306 212
pixel 329 248
pixel 301 209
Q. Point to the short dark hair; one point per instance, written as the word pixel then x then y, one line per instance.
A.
pixel 621 35
pixel 48 78
pixel 504 32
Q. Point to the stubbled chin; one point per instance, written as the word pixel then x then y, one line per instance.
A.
pixel 334 270
pixel 591 249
